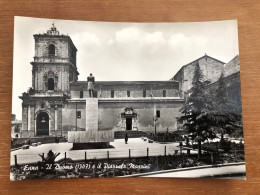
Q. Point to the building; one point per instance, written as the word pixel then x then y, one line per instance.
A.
pixel 130 105
pixel 231 77
pixel 16 126
pixel 212 69
pixel 53 68
pixel 57 103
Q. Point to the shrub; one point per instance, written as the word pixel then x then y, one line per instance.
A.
pixel 225 145
pixel 166 137
pixel 210 147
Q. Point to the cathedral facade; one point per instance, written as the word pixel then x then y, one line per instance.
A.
pixel 57 103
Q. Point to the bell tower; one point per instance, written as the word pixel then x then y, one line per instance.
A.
pixel 53 68
pixel 54 65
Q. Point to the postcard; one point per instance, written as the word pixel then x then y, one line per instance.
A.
pixel 113 99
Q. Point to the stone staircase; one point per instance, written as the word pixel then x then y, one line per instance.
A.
pixel 130 134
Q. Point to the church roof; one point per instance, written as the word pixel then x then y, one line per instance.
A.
pixel 205 56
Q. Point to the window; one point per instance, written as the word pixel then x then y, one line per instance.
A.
pixel 50 84
pixel 112 94
pixel 158 114
pixel 51 50
pixel 164 93
pixel 78 114
pixel 144 93
pixel 128 93
pixel 81 94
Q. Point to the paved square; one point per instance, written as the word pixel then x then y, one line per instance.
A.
pixel 137 146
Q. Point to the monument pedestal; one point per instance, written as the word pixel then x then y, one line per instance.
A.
pixel 91 114
pixel 91 135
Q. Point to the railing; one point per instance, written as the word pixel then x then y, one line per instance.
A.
pixel 102 154
pixel 93 154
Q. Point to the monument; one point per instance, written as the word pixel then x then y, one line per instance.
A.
pixel 81 139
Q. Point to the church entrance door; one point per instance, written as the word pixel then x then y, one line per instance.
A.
pixel 128 118
pixel 128 123
pixel 42 124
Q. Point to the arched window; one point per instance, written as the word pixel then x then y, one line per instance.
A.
pixel 50 84
pixel 51 50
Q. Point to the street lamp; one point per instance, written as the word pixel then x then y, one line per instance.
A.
pixel 155 119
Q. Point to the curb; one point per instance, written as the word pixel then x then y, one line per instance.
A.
pixel 184 169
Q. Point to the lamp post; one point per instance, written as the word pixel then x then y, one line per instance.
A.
pixel 155 119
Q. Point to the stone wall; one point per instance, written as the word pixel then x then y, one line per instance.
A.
pixel 233 90
pixel 42 46
pixel 32 106
pixel 211 70
pixel 232 67
pixel 120 89
pixel 69 118
pixel 179 76
pixel 90 136
pixel 110 115
pixel 62 64
pixel 61 76
pixel 210 67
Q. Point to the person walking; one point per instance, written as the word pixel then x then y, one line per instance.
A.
pixel 126 138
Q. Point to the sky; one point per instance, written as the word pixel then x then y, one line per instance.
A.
pixel 117 51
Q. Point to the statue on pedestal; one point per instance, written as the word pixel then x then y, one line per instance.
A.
pixel 91 81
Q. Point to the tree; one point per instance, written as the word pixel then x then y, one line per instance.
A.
pixel 196 106
pixel 208 113
pixel 225 117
